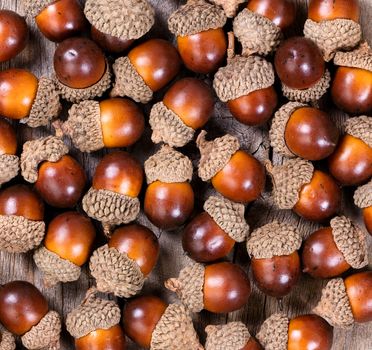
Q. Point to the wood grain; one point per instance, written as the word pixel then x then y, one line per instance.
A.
pixel 63 298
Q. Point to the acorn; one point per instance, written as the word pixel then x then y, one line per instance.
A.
pixel 111 123
pixel 115 34
pixel 302 332
pixel 347 301
pixel 169 197
pixel 146 69
pixel 24 97
pixel 234 173
pixel 229 6
pixel 333 25
pixel 67 246
pixel 186 107
pixel 220 288
pixel 331 251
pixel 95 324
pixel 58 177
pixel 363 200
pixel 121 266
pixel 7 341
pixel 21 219
pixel 113 197
pixel 198 27
pixel 275 262
pixel 25 312
pixel 246 85
pixel 212 234
pixel 298 130
pixel 9 161
pixel 155 325
pixel 351 163
pixel 259 26
pixel 302 70
pixel 310 193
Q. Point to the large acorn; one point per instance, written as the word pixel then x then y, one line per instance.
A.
pixel 363 199
pixel 7 341
pixel 9 161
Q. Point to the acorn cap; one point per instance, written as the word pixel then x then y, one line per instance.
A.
pixel 54 268
pixel 351 241
pixel 7 341
pixel 229 216
pixel 363 196
pixel 35 152
pixel 195 17
pixel 334 305
pixel 92 314
pixel 215 154
pixel 229 6
pixel 115 272
pixel 230 336
pixel 45 335
pixel 278 126
pixel 274 239
pixel 256 33
pixel 129 83
pixel 361 128
pixel 189 286
pixel 169 166
pixel 333 35
pixel 273 334
pixel 123 19
pixel 9 167
pixel 168 127
pixel 288 180
pixel 312 94
pixel 360 58
pixel 33 7
pixel 83 126
pixel 20 235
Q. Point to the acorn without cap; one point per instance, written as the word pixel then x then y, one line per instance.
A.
pixel 9 161
pixel 363 200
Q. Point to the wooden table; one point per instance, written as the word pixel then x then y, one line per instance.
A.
pixel 38 58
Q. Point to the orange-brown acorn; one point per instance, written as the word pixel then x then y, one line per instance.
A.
pixel 9 161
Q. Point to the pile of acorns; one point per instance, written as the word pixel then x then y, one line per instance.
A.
pixel 106 113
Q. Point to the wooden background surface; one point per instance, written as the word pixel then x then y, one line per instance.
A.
pixel 38 58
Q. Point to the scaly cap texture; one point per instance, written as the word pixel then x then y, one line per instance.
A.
pixel 273 334
pixel 9 167
pixel 363 196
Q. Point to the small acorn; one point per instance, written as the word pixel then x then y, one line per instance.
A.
pixel 351 163
pixel 346 301
pixel 147 68
pixel 363 200
pixel 153 324
pixel 7 341
pixel 212 234
pixel 310 193
pixel 186 107
pixel 24 311
pixel 331 251
pixel 220 288
pixel 9 161
pixel 169 197
pixel 26 98
pixel 298 130
pixel 21 219
pixel 67 246
pixel 121 266
pixel 95 324
pixel 58 177
pixel 234 173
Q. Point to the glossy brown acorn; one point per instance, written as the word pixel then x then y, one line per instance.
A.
pixel 324 10
pixel 367 216
pixel 61 19
pixel 109 43
pixel 8 139
pixel 252 345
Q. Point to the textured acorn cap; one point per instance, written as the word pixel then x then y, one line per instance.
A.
pixel 115 272
pixel 9 167
pixel 229 216
pixel 363 196
pixel 189 286
pixel 360 58
pixel 33 7
pixel 333 35
pixel 168 127
pixel 123 19
pixel 230 336
pixel 361 128
pixel 94 313
pixel 45 335
pixel 7 341
pixel 334 305
pixel 273 334
pixel 195 17
pixel 229 6
pixel 169 166
pixel 35 152
pixel 20 235
pixel 288 180
pixel 256 33
pixel 54 268
pixel 278 126
pixel 215 154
